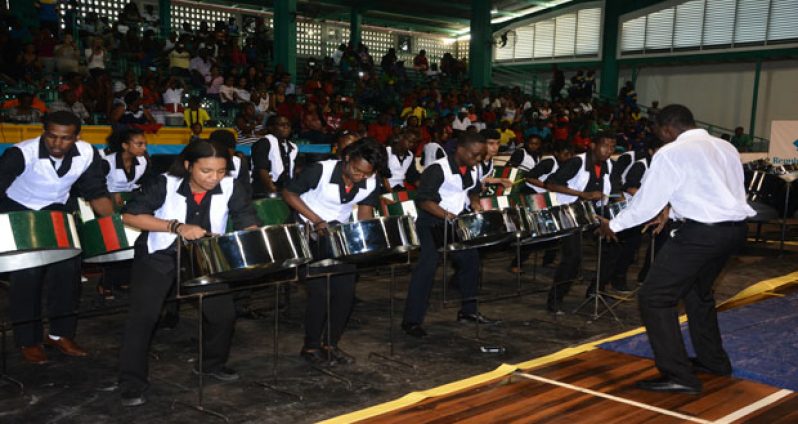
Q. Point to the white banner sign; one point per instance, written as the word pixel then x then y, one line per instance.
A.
pixel 783 142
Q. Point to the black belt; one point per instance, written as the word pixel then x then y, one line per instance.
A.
pixel 718 224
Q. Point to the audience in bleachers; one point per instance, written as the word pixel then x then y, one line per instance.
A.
pixel 230 81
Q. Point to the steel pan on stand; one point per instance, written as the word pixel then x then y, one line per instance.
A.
pixel 244 255
pixel 107 239
pixel 29 239
pixel 372 238
pixel 475 230
pixel 228 258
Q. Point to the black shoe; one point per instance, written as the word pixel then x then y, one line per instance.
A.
pixel 221 374
pixel 317 357
pixel 477 318
pixel 622 289
pixel 665 384
pixel 339 356
pixel 698 366
pixel 414 330
pixel 133 398
pixel 555 311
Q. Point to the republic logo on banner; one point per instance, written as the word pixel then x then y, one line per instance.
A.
pixel 783 148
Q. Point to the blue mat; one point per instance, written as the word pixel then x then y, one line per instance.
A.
pixel 761 340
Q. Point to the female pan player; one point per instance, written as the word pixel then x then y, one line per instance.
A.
pixel 192 200
pixel 126 168
pixel 323 194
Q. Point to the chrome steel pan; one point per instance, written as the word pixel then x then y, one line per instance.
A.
pixel 244 255
pixel 475 230
pixel 372 238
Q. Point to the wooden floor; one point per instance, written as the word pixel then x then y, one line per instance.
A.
pixel 519 399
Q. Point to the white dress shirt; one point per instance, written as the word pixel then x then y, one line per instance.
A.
pixel 699 175
pixel 461 125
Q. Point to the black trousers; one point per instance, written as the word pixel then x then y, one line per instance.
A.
pixel 686 269
pixel 659 241
pixel 466 277
pixel 342 297
pixel 62 282
pixel 567 270
pixel 115 274
pixel 152 278
pixel 616 258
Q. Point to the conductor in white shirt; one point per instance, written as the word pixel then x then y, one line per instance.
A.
pixel 701 178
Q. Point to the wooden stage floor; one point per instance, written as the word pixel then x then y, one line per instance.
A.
pixel 598 387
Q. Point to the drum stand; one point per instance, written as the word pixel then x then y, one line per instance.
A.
pixel 597 297
pixel 327 276
pixel 392 319
pixel 199 406
pixel 3 370
pixel 784 218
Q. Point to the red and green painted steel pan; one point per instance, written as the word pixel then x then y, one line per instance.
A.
pixel 107 239
pixel 29 239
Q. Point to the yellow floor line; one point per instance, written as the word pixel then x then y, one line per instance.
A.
pixel 412 398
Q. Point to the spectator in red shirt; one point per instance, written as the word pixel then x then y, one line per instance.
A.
pixel 581 140
pixel 381 130
pixel 291 110
pixel 561 129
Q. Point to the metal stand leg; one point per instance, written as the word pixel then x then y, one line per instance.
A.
pixel 3 371
pixel 200 370
pixel 391 315
pixel 784 220
pixel 276 352
pixel 598 298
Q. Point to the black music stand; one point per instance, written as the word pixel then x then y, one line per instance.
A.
pixel 3 368
pixel 788 180
pixel 597 298
pixel 3 357
pixel 200 296
pixel 391 317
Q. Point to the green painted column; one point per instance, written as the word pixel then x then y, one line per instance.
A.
pixel 355 24
pixel 755 98
pixel 480 48
pixel 609 48
pixel 165 15
pixel 285 35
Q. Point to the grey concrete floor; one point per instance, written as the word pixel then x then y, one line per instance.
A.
pixel 78 390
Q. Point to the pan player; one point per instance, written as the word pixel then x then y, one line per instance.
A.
pixel 126 167
pixel 700 177
pixel 585 177
pixel 192 200
pixel 447 186
pixel 322 195
pixel 274 157
pixel 38 174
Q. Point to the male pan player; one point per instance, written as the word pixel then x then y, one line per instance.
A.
pixel 586 176
pixel 274 157
pixel 701 178
pixel 401 161
pixel 485 167
pixel 619 257
pixel 528 155
pixel 38 174
pixel 535 182
pixel 446 187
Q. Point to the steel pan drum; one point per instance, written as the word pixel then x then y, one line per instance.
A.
pixel 29 239
pixel 244 255
pixel 474 230
pixel 614 208
pixel 372 238
pixel 107 239
pixel 585 214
